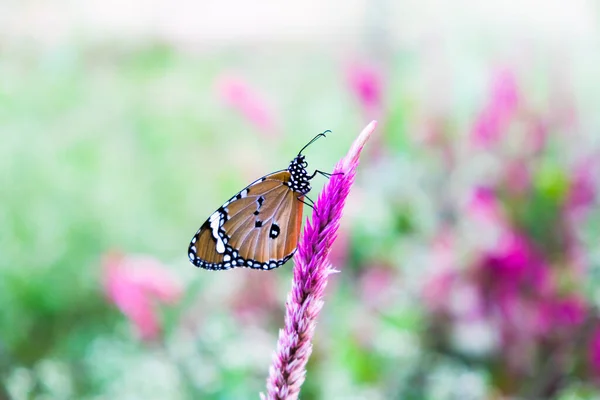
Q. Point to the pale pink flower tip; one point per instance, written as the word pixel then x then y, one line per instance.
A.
pixel 134 284
pixel 241 96
pixel 500 108
pixel 366 82
pixel 311 271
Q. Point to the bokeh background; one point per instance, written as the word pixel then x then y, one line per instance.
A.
pixel 469 251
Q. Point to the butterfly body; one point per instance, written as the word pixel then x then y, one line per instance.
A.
pixel 258 227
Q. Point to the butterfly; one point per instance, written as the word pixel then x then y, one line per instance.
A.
pixel 259 227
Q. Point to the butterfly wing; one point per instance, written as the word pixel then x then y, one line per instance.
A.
pixel 257 228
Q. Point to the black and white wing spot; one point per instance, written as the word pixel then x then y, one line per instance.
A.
pixel 259 201
pixel 274 232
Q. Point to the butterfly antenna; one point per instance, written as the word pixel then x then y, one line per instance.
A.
pixel 313 140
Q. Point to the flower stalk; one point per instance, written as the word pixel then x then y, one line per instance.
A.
pixel 311 271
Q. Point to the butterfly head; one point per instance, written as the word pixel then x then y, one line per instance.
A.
pixel 299 180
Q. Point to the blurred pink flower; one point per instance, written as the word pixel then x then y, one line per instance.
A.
pixel 513 282
pixel 439 283
pixel 496 114
pixel 256 299
pixel 514 266
pixel 486 217
pixel 583 188
pixel 561 313
pixel 594 352
pixel 238 94
pixel 448 289
pixel 366 82
pixel 437 289
pixel 340 248
pixel 510 259
pixel 377 286
pixel 484 205
pixel 133 284
pixel 517 177
pixel 537 136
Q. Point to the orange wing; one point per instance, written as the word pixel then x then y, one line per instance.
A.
pixel 257 228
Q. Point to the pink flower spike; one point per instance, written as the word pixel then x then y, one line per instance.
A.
pixel 312 269
pixel 133 284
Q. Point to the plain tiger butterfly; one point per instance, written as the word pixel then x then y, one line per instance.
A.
pixel 259 227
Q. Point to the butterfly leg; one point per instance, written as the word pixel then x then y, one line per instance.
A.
pixel 325 174
pixel 311 204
